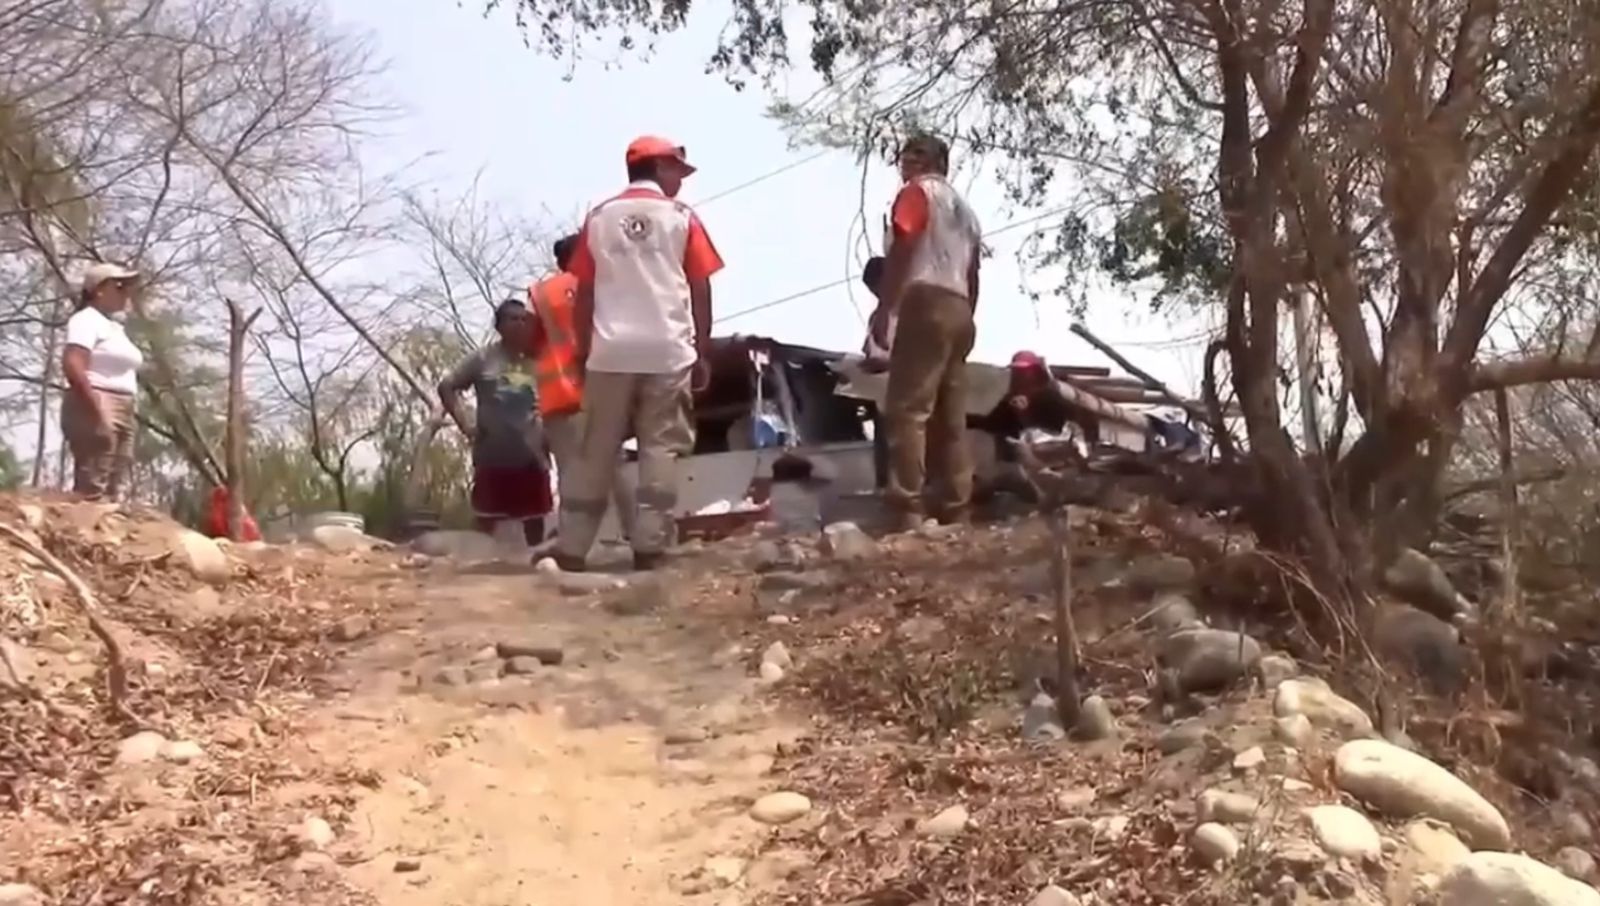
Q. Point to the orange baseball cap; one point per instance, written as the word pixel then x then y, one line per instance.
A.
pixel 648 147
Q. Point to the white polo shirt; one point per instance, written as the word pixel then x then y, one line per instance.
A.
pixel 113 359
pixel 640 250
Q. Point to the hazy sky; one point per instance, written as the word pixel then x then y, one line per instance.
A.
pixel 477 99
pixel 475 102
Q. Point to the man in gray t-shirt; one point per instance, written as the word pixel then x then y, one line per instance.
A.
pixel 510 475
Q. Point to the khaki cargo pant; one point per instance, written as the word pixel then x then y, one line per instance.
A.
pixel 564 433
pixel 655 408
pixel 100 460
pixel 925 408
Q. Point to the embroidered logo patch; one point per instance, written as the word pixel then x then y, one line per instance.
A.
pixel 635 227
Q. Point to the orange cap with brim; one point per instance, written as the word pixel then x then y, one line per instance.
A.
pixel 651 147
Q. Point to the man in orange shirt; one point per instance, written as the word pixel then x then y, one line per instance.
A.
pixel 561 379
pixel 929 292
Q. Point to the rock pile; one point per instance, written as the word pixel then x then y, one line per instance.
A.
pixel 1281 782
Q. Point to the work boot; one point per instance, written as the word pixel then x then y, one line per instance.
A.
pixel 571 564
pixel 648 562
pixel 905 521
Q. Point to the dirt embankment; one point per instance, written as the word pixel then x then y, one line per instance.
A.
pixel 852 721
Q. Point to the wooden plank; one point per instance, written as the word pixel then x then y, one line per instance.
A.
pixel 1112 382
pixel 1193 408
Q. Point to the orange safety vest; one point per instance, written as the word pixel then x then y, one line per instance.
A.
pixel 556 366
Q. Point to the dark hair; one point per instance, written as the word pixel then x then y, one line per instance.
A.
pixel 872 274
pixel 84 300
pixel 641 170
pixel 563 250
pixel 506 309
pixel 931 147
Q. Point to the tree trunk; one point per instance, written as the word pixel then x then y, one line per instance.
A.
pixel 233 445
pixel 51 341
pixel 1510 519
pixel 1305 371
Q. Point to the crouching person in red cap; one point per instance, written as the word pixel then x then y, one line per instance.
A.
pixel 643 319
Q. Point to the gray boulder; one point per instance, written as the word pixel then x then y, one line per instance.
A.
pixel 846 541
pixel 1504 879
pixel 1403 784
pixel 1424 644
pixel 201 556
pixel 1416 579
pixel 1159 572
pixel 1040 720
pixel 343 539
pixel 1095 720
pixel 1314 700
pixel 1209 659
pixel 1175 612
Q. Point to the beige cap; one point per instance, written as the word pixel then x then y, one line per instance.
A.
pixel 101 271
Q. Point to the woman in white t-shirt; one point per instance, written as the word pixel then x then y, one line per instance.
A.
pixel 101 366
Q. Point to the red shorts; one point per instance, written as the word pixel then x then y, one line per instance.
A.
pixel 517 493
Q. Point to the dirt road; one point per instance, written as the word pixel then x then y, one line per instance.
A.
pixel 622 775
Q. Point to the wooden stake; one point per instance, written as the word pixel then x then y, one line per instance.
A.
pixel 1052 504
pixel 233 445
pixel 1510 521
pixel 1067 699
pixel 1193 408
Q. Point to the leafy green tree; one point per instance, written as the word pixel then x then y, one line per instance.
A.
pixel 1426 169
pixel 10 469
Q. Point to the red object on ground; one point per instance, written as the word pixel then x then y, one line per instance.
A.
pixel 217 519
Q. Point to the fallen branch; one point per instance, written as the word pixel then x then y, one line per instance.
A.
pixel 1196 410
pixel 1543 476
pixel 116 672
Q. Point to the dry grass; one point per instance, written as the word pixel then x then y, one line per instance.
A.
pixel 906 727
pixel 75 825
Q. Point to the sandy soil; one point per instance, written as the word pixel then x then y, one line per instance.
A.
pixel 611 778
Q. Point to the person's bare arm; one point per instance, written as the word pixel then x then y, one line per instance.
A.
pixel 75 366
pixel 972 276
pixel 700 308
pixel 451 388
pixel 896 274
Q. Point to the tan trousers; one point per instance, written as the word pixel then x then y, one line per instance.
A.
pixel 564 433
pixel 925 408
pixel 100 458
pixel 655 408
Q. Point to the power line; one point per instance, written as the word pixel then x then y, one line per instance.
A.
pixel 830 285
pixel 763 177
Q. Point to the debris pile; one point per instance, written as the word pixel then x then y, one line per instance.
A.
pixel 1217 767
pixel 151 763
